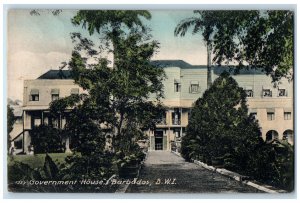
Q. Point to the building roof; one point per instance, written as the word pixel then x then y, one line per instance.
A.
pixel 56 74
pixel 220 69
pixel 217 69
pixel 171 63
pixel 66 74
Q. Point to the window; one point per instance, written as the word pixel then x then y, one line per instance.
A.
pixel 271 135
pixel 34 95
pixel 282 93
pixel 288 135
pixel 267 93
pixel 176 87
pixel 194 87
pixel 270 116
pixel 55 97
pixel 176 117
pixel 287 115
pixel 74 91
pixel 54 94
pixel 249 93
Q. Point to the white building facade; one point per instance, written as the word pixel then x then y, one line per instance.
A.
pixel 37 96
pixel 185 83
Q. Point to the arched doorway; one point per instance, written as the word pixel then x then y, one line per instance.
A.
pixel 289 136
pixel 271 135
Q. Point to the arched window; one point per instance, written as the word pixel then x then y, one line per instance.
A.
pixel 289 136
pixel 271 135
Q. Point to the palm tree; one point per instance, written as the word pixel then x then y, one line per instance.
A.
pixel 204 24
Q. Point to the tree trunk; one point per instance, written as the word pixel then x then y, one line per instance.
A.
pixel 114 37
pixel 209 78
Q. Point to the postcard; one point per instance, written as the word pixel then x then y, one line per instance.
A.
pixel 150 101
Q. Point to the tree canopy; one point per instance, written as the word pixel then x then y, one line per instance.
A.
pixel 117 96
pixel 220 127
pixel 247 39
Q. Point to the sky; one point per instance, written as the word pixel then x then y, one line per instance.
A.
pixel 37 44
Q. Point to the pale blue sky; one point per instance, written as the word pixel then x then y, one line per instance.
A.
pixel 39 43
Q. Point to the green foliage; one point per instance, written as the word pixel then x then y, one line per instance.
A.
pixel 204 25
pixel 75 168
pixel 10 119
pixel 116 106
pixel 50 168
pixel 37 12
pixel 273 163
pixel 118 96
pixel 18 171
pixel 37 161
pixel 218 124
pixel 97 166
pixel 46 139
pixel 10 122
pixel 220 132
pixel 252 39
pixel 109 20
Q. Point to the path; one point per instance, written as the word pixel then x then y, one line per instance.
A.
pixel 164 167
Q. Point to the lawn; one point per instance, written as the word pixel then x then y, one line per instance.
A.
pixel 37 160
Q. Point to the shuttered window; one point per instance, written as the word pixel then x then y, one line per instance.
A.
pixel 34 95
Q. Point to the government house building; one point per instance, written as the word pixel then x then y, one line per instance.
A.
pixel 184 84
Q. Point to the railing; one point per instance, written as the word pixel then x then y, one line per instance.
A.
pixel 176 121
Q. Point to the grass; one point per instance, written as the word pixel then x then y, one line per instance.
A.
pixel 37 160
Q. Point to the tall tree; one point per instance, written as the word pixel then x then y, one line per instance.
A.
pixel 248 39
pixel 203 24
pixel 111 23
pixel 118 96
pixel 220 127
pixel 256 39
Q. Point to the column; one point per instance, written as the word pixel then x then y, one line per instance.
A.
pixel 68 150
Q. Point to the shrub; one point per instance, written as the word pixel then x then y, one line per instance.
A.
pixel 220 131
pixel 273 163
pixel 220 128
pixel 46 139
